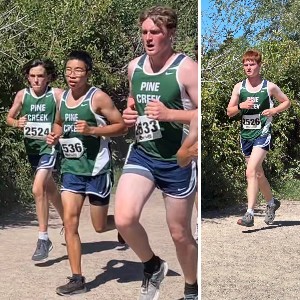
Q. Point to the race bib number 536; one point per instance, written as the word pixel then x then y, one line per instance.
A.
pixel 72 147
pixel 147 129
pixel 251 121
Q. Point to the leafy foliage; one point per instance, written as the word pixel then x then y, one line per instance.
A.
pixel 223 168
pixel 106 28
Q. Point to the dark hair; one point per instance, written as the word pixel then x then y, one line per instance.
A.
pixel 83 56
pixel 161 16
pixel 46 63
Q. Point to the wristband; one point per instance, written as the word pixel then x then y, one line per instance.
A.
pixel 239 108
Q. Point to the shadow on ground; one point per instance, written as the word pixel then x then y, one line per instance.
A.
pixel 23 217
pixel 123 271
pixel 86 248
pixel 275 225
pixel 237 210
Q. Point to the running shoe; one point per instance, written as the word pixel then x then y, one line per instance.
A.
pixel 74 286
pixel 151 283
pixel 42 250
pixel 270 212
pixel 247 220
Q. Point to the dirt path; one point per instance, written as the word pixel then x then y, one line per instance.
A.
pixel 260 262
pixel 112 272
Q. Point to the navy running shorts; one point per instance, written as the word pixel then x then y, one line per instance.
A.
pixel 168 176
pixel 45 161
pixel 263 142
pixel 97 187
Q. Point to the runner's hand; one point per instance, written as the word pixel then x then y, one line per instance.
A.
pixel 130 116
pixel 22 122
pixel 52 139
pixel 248 104
pixel 156 110
pixel 269 112
pixel 82 127
pixel 193 150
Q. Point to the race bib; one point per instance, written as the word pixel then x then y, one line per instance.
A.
pixel 251 121
pixel 147 129
pixel 72 147
pixel 38 131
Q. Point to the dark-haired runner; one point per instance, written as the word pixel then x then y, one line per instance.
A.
pixel 87 117
pixel 33 111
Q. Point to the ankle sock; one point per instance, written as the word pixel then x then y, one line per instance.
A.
pixel 191 288
pixel 77 277
pixel 251 211
pixel 43 235
pixel 151 266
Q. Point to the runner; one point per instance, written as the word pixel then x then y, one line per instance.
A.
pixel 86 119
pixel 33 111
pixel 163 95
pixel 253 98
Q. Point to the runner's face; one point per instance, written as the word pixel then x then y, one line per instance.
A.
pixel 76 73
pixel 155 39
pixel 251 68
pixel 38 79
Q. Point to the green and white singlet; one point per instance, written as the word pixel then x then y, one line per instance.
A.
pixel 253 123
pixel 83 155
pixel 159 139
pixel 40 113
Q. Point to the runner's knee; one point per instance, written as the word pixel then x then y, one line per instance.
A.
pixel 38 191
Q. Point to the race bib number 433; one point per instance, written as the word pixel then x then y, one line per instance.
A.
pixel 72 147
pixel 147 129
pixel 251 121
pixel 38 131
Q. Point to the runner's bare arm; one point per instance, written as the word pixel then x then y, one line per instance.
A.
pixel 15 110
pixel 103 105
pixel 189 148
pixel 276 92
pixel 58 94
pixel 53 137
pixel 130 114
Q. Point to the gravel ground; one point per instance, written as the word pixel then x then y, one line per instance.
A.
pixel 260 262
pixel 112 272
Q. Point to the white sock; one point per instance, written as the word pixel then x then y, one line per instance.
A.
pixel 43 235
pixel 271 202
pixel 251 211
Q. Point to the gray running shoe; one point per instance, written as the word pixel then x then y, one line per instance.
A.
pixel 247 220
pixel 42 250
pixel 74 286
pixel 270 212
pixel 151 283
pixel 190 297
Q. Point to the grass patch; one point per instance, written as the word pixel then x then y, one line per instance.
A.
pixel 288 189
